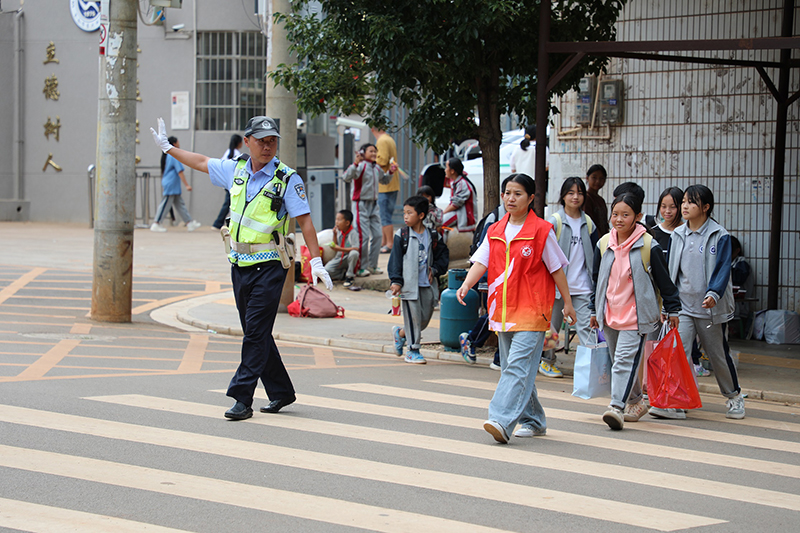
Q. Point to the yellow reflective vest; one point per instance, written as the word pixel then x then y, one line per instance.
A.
pixel 253 223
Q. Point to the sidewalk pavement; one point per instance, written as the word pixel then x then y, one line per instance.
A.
pixel 765 371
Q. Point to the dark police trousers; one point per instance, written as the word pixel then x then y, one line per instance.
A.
pixel 257 290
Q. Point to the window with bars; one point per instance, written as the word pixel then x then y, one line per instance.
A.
pixel 231 84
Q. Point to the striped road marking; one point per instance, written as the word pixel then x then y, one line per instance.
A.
pixel 508 454
pixel 585 506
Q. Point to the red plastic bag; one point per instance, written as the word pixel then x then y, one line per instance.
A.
pixel 305 264
pixel 670 379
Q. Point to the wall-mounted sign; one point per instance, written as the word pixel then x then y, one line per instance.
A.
pixel 85 13
pixel 180 110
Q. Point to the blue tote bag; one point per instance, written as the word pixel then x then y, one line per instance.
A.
pixel 592 375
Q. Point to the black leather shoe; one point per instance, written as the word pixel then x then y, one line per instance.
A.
pixel 239 411
pixel 276 405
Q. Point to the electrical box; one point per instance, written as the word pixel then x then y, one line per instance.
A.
pixel 585 103
pixel 167 3
pixel 611 102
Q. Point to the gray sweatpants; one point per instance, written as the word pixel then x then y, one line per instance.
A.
pixel 416 315
pixel 343 267
pixel 714 342
pixel 167 202
pixel 582 314
pixel 368 226
pixel 626 348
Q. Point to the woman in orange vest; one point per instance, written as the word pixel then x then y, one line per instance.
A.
pixel 525 265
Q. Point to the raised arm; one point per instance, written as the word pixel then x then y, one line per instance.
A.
pixel 190 159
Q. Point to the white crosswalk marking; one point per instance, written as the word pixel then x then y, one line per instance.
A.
pixel 562 414
pixel 36 518
pixel 639 516
pixel 506 454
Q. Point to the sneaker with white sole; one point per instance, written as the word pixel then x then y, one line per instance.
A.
pixel 496 430
pixel 348 282
pixel 614 417
pixel 415 357
pixel 362 273
pixel 551 371
pixel 466 349
pixel 193 225
pixel 399 341
pixel 701 372
pixel 495 364
pixel 158 228
pixel 735 407
pixel 525 432
pixel 672 414
pixel 377 271
pixel 635 411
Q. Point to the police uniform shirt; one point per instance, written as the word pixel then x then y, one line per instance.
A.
pixel 295 201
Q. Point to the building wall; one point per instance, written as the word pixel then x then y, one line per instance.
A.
pixel 166 63
pixel 687 124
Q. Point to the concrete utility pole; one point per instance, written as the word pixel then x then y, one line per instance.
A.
pixel 282 106
pixel 115 194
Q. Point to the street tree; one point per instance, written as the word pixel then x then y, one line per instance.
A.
pixel 456 65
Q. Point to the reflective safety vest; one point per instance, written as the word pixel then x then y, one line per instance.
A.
pixel 253 223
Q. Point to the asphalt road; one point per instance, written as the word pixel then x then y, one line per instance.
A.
pixel 119 427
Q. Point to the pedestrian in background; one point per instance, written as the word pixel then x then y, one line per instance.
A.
pixel 593 204
pixel 523 158
pixel 387 192
pixel 233 152
pixel 460 212
pixel 345 244
pixel 525 266
pixel 577 236
pixel 365 175
pixel 433 220
pixel 626 303
pixel 171 177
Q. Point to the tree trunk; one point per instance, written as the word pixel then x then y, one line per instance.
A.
pixel 489 138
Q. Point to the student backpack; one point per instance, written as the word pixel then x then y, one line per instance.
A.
pixel 645 252
pixel 560 224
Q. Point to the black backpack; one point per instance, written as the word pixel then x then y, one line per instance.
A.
pixel 404 239
pixel 478 234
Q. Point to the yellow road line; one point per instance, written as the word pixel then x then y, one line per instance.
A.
pixel 507 454
pixel 11 289
pixel 283 502
pixel 25 516
pixel 650 427
pixel 194 354
pixel 46 362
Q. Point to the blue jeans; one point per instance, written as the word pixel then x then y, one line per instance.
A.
pixel 386 203
pixel 515 398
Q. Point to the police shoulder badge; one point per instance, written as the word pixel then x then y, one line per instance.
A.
pixel 300 190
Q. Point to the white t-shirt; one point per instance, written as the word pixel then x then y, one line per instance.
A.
pixel 552 256
pixel 524 161
pixel 577 276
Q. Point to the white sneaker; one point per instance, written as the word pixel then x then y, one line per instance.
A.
pixel 735 407
pixel 635 411
pixel 157 228
pixel 193 225
pixel 614 417
pixel 672 414
pixel 525 432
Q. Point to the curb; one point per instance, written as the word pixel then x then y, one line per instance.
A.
pixel 707 388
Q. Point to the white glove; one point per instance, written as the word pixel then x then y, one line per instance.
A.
pixel 318 272
pixel 160 138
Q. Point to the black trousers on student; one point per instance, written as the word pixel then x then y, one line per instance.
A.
pixel 257 290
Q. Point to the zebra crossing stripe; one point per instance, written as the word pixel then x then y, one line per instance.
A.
pixel 36 518
pixel 751 421
pixel 552 500
pixel 507 454
pixel 283 502
pixel 580 439
pixel 577 416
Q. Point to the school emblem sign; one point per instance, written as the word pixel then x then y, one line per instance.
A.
pixel 85 13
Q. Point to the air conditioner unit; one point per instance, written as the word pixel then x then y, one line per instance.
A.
pixel 167 3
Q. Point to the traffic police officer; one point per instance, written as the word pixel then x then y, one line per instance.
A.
pixel 265 194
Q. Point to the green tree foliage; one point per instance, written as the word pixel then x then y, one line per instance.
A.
pixel 443 59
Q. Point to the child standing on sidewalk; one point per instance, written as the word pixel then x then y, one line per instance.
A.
pixel 417 260
pixel 577 236
pixel 345 244
pixel 365 175
pixel 700 265
pixel 525 265
pixel 626 303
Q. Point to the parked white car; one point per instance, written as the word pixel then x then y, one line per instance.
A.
pixel 474 168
